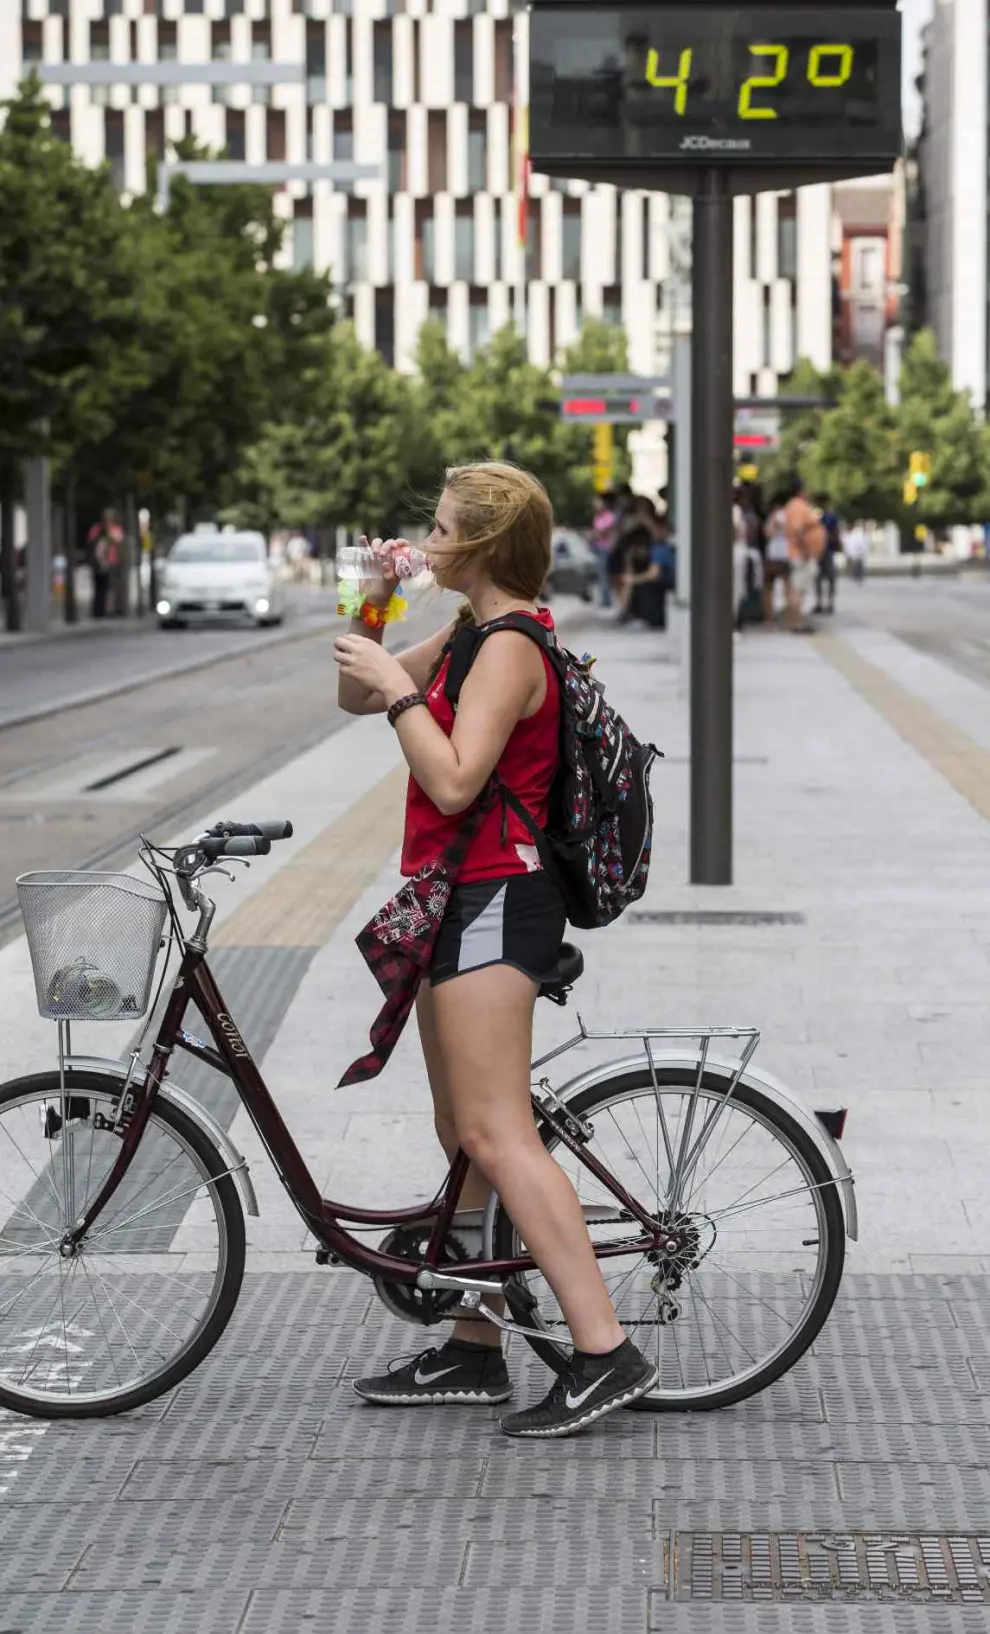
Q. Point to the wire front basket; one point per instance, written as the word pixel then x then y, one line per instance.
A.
pixel 94 939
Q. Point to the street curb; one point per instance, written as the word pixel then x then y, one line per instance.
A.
pixel 265 644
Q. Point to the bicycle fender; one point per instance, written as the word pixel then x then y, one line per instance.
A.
pixel 773 1088
pixel 171 1091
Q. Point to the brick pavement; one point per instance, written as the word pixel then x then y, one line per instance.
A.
pixel 260 1497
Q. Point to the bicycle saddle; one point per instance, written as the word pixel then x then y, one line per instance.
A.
pixel 558 983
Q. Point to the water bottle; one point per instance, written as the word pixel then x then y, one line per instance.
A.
pixel 368 561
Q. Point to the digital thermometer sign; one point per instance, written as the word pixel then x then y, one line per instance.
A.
pixel 765 86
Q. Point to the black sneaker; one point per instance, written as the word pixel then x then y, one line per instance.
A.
pixel 591 1387
pixel 474 1376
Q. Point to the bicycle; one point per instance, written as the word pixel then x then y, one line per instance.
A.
pixel 718 1205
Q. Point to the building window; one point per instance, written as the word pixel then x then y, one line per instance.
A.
pixel 436 152
pixel 168 42
pixel 425 248
pixel 343 147
pixel 316 62
pixel 647 238
pixel 479 321
pixel 498 230
pixel 612 306
pixel 31 42
pixel 397 153
pixel 504 60
pixel 570 253
pixel 154 134
pixel 99 42
pixel 385 326
pixel 356 255
pixel 464 62
pixel 348 61
pixel 787 237
pixel 534 247
pixel 477 155
pixel 114 139
pixel 383 62
pixel 437 309
pixel 302 234
pixel 275 135
pixel 235 133
pixel 464 247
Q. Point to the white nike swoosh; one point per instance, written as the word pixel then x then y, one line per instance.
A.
pixel 428 1378
pixel 577 1401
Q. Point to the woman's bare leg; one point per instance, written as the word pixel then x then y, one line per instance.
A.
pixel 476 1189
pixel 482 1027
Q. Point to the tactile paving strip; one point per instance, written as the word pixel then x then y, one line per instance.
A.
pixel 831 1566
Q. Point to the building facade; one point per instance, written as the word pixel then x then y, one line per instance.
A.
pixel 949 231
pixel 425 90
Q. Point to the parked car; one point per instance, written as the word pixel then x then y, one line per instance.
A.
pixel 216 575
pixel 575 566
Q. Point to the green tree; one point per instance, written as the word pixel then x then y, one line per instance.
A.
pixel 800 428
pixel 936 419
pixel 855 460
pixel 345 457
pixel 600 348
pixel 65 296
pixel 503 407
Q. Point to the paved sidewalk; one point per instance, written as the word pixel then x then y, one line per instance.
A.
pixel 260 1496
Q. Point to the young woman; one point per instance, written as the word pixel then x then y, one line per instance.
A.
pixel 500 934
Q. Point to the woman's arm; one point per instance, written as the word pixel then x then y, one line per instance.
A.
pixel 507 681
pixel 355 698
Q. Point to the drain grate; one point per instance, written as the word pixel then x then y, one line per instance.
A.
pixel 714 916
pixel 941 1568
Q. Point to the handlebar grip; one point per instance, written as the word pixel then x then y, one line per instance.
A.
pixel 238 845
pixel 275 830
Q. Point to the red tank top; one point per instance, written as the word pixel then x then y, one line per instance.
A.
pixel 528 766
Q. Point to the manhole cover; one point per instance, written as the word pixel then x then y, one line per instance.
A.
pixel 714 916
pixel 940 1567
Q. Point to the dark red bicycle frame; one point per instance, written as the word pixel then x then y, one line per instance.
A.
pixel 231 1056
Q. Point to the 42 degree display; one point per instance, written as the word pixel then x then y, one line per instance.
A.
pixel 785 84
pixel 788 68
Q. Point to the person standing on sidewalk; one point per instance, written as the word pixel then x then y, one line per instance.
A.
pixel 805 543
pixel 603 531
pixel 828 571
pixel 777 566
pixel 499 936
pixel 105 539
pixel 855 547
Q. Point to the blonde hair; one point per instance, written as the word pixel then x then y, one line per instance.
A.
pixel 504 515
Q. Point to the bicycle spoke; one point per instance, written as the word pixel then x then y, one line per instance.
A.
pixel 103 1326
pixel 170 1197
pixel 39 1177
pixel 116 1316
pixel 6 1309
pixel 644 1172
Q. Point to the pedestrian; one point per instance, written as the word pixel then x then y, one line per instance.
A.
pixel 828 561
pixel 104 541
pixel 649 575
pixel 747 572
pixel 855 548
pixel 777 563
pixel 604 527
pixel 805 543
pixel 500 933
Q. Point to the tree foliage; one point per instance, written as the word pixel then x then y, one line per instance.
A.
pixel 855 460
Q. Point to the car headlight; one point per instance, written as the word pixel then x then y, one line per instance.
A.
pixel 261 605
pixel 163 609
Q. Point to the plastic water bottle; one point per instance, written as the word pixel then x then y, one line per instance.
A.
pixel 368 561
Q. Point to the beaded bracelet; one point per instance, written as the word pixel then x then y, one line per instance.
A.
pixel 411 701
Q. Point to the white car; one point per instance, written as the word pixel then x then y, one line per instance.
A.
pixel 214 575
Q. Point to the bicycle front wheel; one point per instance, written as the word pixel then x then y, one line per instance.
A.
pixel 151 1287
pixel 755 1231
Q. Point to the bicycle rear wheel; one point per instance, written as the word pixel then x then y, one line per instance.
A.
pixel 151 1287
pixel 760 1228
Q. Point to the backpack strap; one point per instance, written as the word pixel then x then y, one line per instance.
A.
pixel 467 641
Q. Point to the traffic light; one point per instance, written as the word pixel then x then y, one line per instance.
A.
pixel 921 470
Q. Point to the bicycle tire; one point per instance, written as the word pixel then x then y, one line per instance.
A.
pixel 506 1244
pixel 45 1088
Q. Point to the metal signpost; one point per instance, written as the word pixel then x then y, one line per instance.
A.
pixel 714 100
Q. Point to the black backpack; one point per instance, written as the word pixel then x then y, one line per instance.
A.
pixel 598 839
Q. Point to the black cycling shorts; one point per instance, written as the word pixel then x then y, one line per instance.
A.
pixel 517 921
